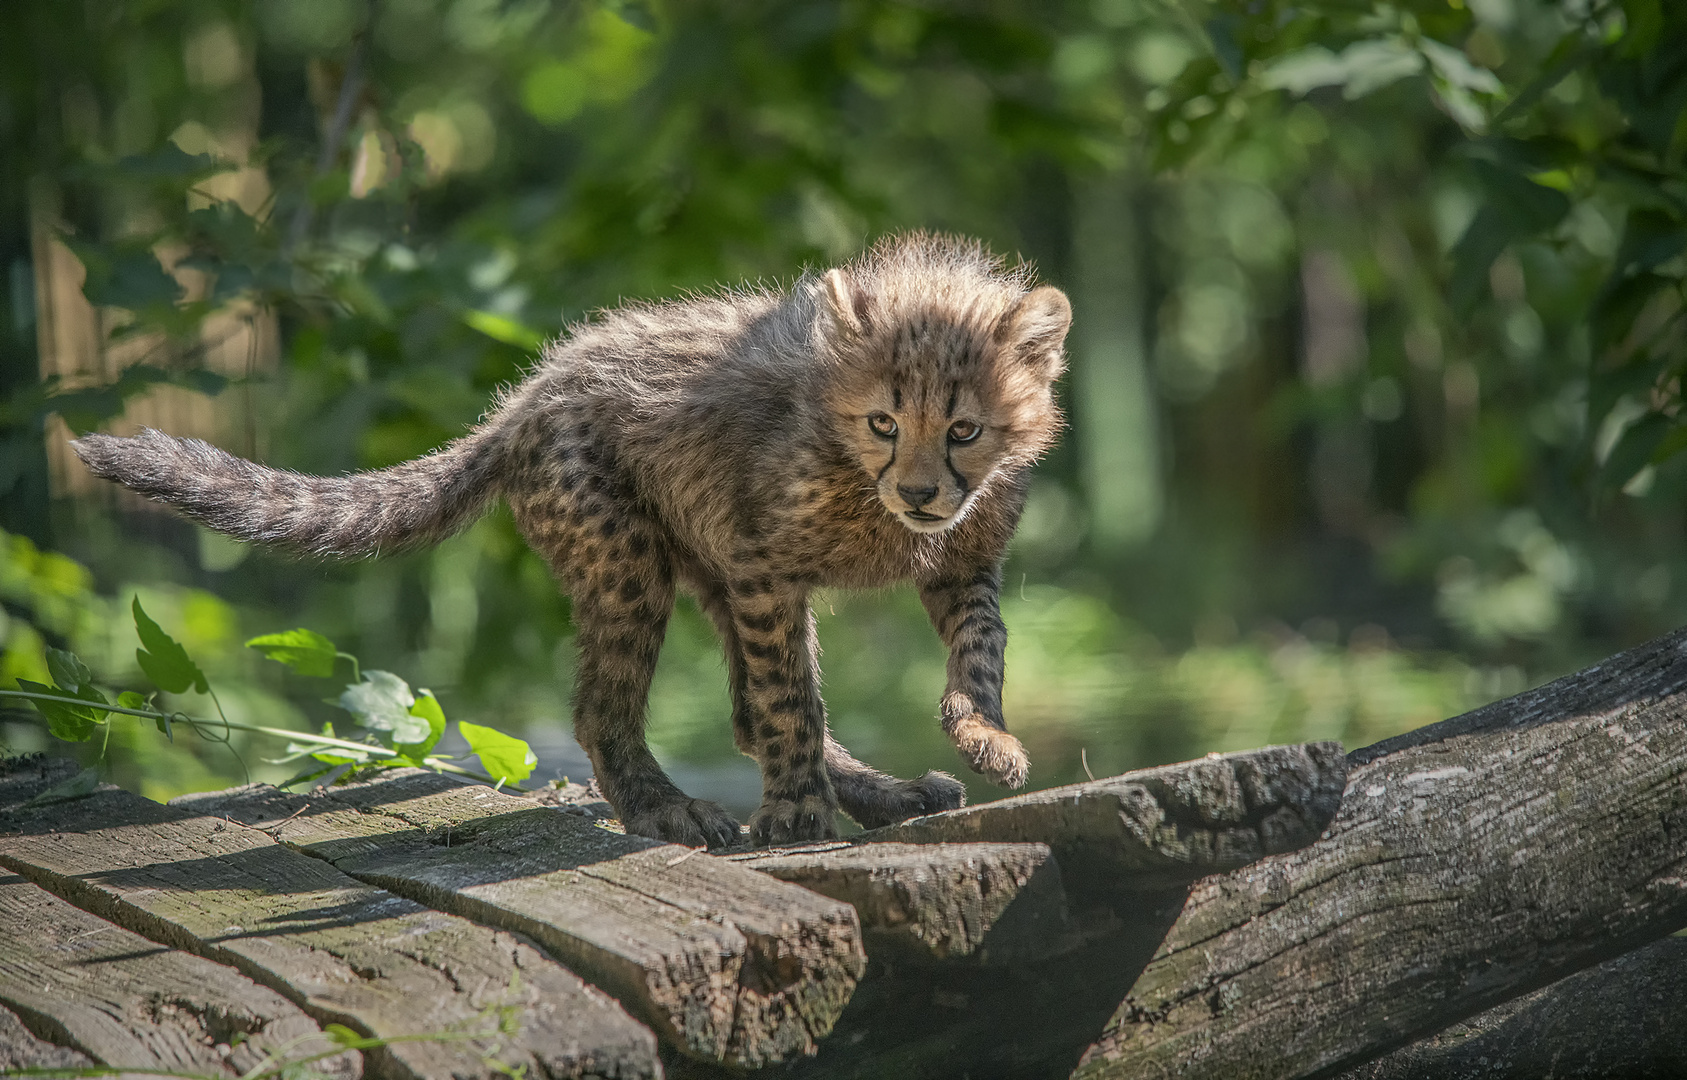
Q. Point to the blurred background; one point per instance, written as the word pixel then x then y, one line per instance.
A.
pixel 1374 369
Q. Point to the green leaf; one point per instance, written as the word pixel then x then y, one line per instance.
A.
pixel 171 162
pixel 506 330
pixel 131 700
pixel 1650 239
pixel 163 659
pixel 307 776
pixel 72 723
pixel 83 783
pixel 505 758
pixel 1453 66
pixel 305 651
pixel 126 276
pixel 382 702
pixel 1527 207
pixel 427 708
pixel 1634 449
pixel 1360 69
pixel 343 1035
pixel 68 670
pixel 1473 255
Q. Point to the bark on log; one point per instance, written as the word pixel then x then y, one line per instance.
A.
pixel 345 952
pixel 1160 828
pixel 82 982
pixel 1621 1019
pixel 726 964
pixel 1472 861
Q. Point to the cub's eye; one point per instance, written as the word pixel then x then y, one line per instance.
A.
pixel 882 424
pixel 964 431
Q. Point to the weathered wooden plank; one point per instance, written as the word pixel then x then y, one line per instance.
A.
pixel 727 964
pixel 943 903
pixel 1159 828
pixel 983 903
pixel 21 1049
pixel 1621 1019
pixel 486 1000
pixel 1472 861
pixel 126 1002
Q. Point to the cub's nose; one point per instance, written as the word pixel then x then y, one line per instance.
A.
pixel 916 497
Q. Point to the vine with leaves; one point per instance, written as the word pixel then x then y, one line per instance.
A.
pixel 398 725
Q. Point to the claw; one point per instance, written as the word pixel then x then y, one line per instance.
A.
pixel 692 822
pixel 792 821
pixel 991 751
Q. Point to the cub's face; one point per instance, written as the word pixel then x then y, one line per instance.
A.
pixel 939 401
pixel 929 449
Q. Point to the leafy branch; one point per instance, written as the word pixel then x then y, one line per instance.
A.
pixel 401 726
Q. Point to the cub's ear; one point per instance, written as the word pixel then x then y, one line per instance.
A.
pixel 1036 326
pixel 846 304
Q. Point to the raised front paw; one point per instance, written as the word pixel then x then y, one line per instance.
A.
pixel 991 751
pixel 692 822
pixel 792 821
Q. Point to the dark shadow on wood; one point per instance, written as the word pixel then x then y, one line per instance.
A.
pixel 1020 1021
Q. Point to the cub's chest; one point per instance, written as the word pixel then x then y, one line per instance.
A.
pixel 852 545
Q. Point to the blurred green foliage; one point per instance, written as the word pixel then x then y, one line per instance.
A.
pixel 1376 366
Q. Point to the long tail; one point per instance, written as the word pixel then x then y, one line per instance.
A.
pixel 408 505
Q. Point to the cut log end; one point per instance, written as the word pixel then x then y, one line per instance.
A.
pixel 944 903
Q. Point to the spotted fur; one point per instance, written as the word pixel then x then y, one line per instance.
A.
pixel 870 425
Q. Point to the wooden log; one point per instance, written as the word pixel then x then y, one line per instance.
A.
pixel 726 964
pixel 123 1001
pixel 1023 1021
pixel 1620 1019
pixel 1472 861
pixel 925 903
pixel 938 903
pixel 463 1000
pixel 1159 828
pixel 955 986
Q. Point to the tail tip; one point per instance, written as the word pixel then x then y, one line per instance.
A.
pixel 101 453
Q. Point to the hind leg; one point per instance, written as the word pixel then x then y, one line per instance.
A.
pixel 871 798
pixel 618 640
pixel 615 569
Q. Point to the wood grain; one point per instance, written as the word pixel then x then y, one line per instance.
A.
pixel 1159 828
pixel 1618 1021
pixel 124 1001
pixel 1472 861
pixel 938 903
pixel 347 953
pixel 727 964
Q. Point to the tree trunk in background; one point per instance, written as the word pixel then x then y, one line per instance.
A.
pixel 27 134
pixel 1112 393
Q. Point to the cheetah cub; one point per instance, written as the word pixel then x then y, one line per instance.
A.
pixel 873 424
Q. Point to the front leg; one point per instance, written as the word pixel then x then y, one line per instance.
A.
pixel 782 711
pixel 967 614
